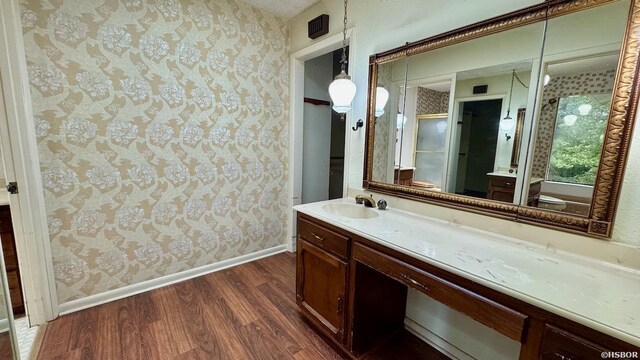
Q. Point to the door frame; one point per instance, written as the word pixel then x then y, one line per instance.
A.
pixel 452 164
pixel 296 122
pixel 22 164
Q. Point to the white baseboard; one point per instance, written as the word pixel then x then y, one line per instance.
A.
pixel 291 246
pixel 4 325
pixel 126 291
pixel 436 341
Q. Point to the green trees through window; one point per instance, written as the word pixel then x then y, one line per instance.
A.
pixel 577 140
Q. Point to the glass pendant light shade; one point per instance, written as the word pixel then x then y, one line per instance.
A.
pixel 342 91
pixel 382 96
pixel 570 120
pixel 507 124
pixel 585 109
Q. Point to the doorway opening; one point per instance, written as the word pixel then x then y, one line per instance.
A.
pixel 478 138
pixel 323 158
pixel 16 334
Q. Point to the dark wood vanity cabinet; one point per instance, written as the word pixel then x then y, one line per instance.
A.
pixel 502 188
pixel 355 290
pixel 321 280
pixel 558 344
pixel 403 176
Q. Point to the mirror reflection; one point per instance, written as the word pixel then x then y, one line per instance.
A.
pixel 579 68
pixel 485 130
pixel 389 121
pixel 461 113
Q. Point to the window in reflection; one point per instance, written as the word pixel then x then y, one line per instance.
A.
pixel 570 130
pixel 577 139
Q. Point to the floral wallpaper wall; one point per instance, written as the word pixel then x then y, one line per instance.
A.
pixel 163 131
pixel 432 101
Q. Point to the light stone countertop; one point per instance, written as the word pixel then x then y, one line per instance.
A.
pixel 599 295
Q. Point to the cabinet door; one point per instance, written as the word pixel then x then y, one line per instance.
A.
pixel 321 288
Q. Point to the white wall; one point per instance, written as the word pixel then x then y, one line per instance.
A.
pixel 389 24
pixel 317 130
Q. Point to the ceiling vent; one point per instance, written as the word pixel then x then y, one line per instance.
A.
pixel 319 26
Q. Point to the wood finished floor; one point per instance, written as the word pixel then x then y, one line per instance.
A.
pixel 246 312
pixel 5 347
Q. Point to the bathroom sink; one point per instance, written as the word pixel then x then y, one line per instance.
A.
pixel 350 211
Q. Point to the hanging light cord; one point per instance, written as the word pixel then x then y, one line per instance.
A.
pixel 343 62
pixel 513 76
pixel 520 81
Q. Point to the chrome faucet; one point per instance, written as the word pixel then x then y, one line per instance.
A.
pixel 367 200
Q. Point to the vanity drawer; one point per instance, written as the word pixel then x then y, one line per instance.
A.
pixel 558 344
pixel 490 313
pixel 505 183
pixel 324 238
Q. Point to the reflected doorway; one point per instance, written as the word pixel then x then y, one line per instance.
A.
pixel 478 137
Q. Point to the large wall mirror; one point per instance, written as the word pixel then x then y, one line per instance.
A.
pixel 526 116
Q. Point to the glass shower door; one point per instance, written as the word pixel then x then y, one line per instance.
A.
pixel 430 150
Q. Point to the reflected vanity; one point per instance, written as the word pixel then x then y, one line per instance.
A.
pixel 510 117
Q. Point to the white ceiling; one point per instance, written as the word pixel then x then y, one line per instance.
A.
pixel 285 9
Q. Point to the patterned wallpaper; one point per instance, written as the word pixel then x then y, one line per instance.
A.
pixel 381 147
pixel 163 132
pixel 599 82
pixel 432 101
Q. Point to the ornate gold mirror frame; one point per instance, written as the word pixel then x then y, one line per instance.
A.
pixel 618 134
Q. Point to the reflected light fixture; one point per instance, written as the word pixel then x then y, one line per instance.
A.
pixel 382 96
pixel 507 124
pixel 547 80
pixel 585 109
pixel 570 120
pixel 401 120
pixel 342 90
pixel 441 127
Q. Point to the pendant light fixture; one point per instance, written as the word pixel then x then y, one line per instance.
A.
pixel 507 124
pixel 382 96
pixel 342 90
